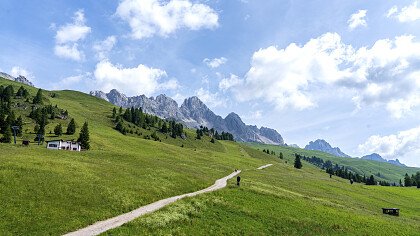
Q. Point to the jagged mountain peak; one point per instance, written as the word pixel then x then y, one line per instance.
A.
pixel 194 103
pixel 379 158
pixel 374 157
pixel 21 79
pixel 193 112
pixel 233 116
pixel 324 146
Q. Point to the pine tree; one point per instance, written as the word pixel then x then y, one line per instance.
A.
pixel 36 128
pixel 7 136
pixel 298 163
pixel 407 181
pixel 371 180
pixel 38 98
pixel 84 137
pixel 114 112
pixel 71 128
pixel 212 140
pixel 58 130
pixel 281 155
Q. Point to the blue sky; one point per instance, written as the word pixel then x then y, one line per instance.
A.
pixel 344 71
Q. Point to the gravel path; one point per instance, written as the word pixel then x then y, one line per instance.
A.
pixel 105 225
pixel 263 167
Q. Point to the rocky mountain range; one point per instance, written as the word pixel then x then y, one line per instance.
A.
pixel 20 78
pixel 378 158
pixel 193 113
pixel 324 146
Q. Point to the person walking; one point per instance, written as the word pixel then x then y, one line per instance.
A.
pixel 238 180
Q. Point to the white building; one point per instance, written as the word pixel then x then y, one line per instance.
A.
pixel 64 145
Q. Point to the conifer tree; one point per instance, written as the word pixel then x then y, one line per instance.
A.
pixel 58 130
pixel 114 112
pixel 84 137
pixel 38 98
pixel 71 128
pixel 407 181
pixel 371 180
pixel 298 163
pixel 7 136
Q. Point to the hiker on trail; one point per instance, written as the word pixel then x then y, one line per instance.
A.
pixel 238 180
pixel 330 175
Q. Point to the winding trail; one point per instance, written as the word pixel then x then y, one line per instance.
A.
pixel 105 225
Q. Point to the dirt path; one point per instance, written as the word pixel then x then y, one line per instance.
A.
pixel 263 167
pixel 105 225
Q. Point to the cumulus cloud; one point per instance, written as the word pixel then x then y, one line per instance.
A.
pixel 229 82
pixel 16 71
pixel 215 62
pixel 132 81
pixel 154 17
pixel 357 19
pixel 67 36
pixel 102 48
pixel 406 14
pixel 405 145
pixel 210 99
pixel 384 74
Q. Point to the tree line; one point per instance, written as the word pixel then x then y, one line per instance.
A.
pixel 136 116
pixel 214 134
pixel 342 171
pixel 414 180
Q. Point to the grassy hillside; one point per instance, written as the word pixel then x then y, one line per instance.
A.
pixel 47 192
pixel 282 200
pixel 388 172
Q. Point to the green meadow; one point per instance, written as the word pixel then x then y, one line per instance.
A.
pixel 388 172
pixel 50 192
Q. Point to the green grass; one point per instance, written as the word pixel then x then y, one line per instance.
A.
pixel 388 172
pixel 282 200
pixel 48 192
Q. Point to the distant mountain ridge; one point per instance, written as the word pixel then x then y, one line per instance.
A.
pixel 324 146
pixel 378 158
pixel 193 113
pixel 20 78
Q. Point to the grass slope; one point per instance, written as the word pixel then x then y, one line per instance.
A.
pixel 45 192
pixel 53 192
pixel 282 200
pixel 388 172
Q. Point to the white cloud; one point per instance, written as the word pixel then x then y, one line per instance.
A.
pixel 69 52
pixel 229 82
pixel 385 74
pixel 16 71
pixel 132 81
pixel 102 48
pixel 215 62
pixel 68 35
pixel 357 19
pixel 210 99
pixel 406 14
pixel 405 145
pixel 149 17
